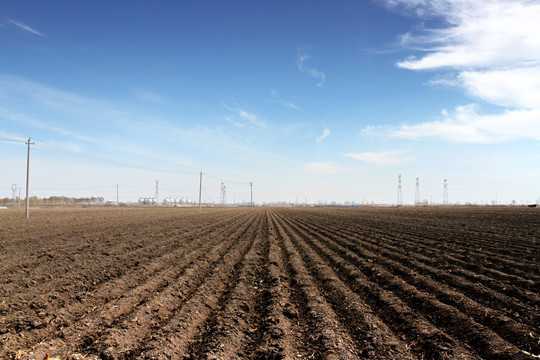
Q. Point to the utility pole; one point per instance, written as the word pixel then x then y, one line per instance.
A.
pixel 445 192
pixel 19 197
pixel 200 190
pixel 251 185
pixel 27 215
pixel 399 194
pixel 417 193
pixel 117 202
pixel 156 196
pixel 14 190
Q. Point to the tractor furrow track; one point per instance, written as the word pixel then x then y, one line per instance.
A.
pixel 270 283
pixel 411 263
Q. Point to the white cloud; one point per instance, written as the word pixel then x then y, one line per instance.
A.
pixel 384 158
pixel 324 167
pixel 324 135
pixel 495 48
pixel 478 33
pixel 466 125
pixel 517 87
pixel 25 27
pixel 301 58
pixel 494 44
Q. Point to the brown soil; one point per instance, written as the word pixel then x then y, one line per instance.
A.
pixel 270 283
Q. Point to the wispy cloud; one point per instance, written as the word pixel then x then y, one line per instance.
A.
pixel 148 95
pixel 383 158
pixel 301 58
pixel 324 167
pixel 243 118
pixel 289 105
pixel 324 135
pixel 491 50
pixel 277 100
pixel 36 124
pixel 36 110
pixel 37 93
pixel 24 27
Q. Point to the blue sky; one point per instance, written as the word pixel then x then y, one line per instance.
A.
pixel 309 100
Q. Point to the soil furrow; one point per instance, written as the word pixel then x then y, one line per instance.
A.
pixel 175 338
pixel 519 334
pixel 446 273
pixel 127 340
pixel 284 334
pixel 470 243
pixel 334 341
pixel 425 340
pixel 419 240
pixel 484 341
pixel 270 283
pixel 127 303
pixel 236 327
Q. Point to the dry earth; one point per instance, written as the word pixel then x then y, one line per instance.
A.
pixel 270 283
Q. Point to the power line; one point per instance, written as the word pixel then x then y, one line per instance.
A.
pixel 100 159
pixel 237 183
pixel 12 140
pixel 82 155
pixel 75 188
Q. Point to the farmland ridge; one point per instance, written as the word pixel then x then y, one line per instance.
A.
pixel 270 283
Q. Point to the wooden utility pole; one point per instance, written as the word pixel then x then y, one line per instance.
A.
pixel 28 179
pixel 200 190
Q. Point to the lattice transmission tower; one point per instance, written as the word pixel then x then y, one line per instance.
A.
pixel 223 195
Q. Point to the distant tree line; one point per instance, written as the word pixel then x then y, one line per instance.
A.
pixel 56 200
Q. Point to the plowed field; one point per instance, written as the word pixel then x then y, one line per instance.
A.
pixel 270 283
